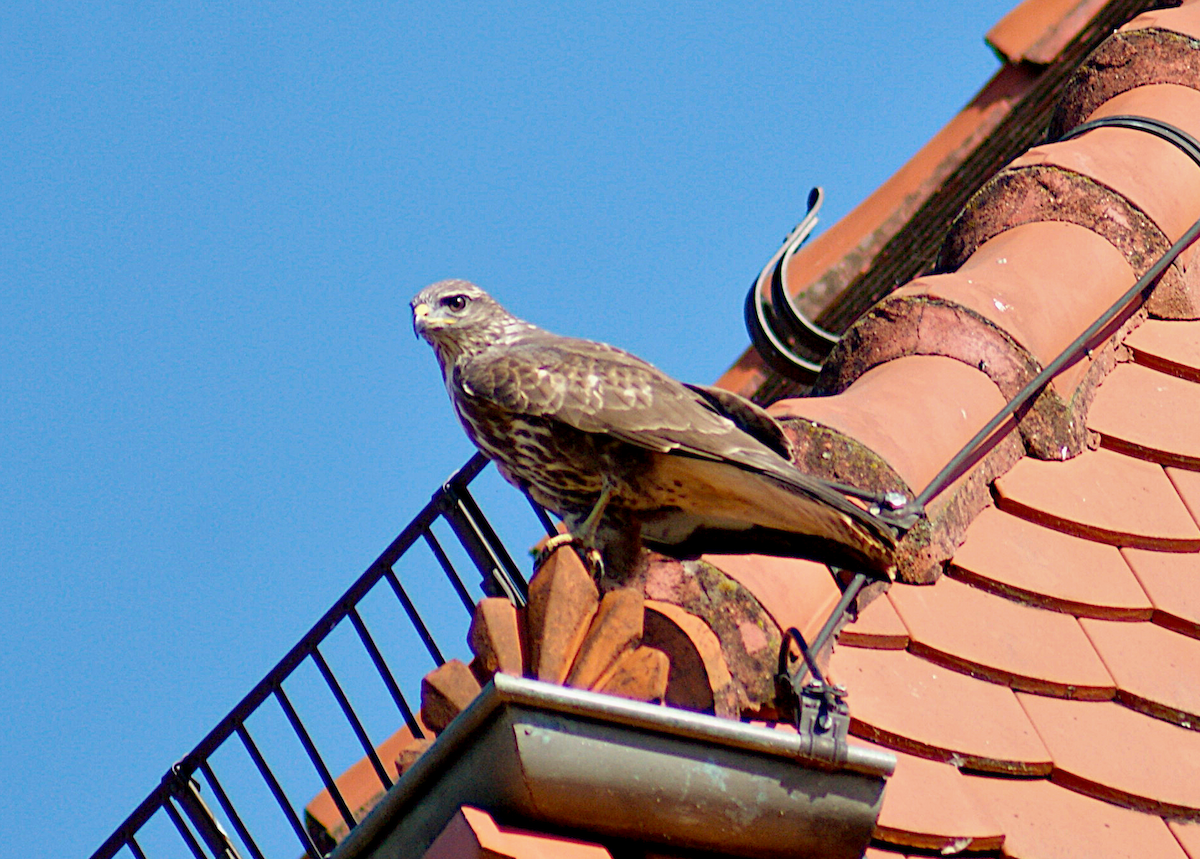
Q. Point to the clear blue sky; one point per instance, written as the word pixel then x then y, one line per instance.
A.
pixel 212 216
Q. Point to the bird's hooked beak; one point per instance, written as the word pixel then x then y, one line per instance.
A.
pixel 420 313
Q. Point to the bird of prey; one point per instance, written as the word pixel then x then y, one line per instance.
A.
pixel 627 455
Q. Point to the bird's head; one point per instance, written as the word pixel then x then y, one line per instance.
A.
pixel 456 317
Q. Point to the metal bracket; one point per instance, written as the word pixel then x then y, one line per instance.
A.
pixel 821 714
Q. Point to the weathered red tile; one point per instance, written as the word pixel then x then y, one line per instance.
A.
pixel 1184 19
pixel 699 677
pixel 445 692
pixel 495 637
pixel 1167 346
pixel 1044 821
pixel 927 806
pixel 1187 832
pixel 1025 561
pixel 906 703
pixel 616 628
pixel 473 834
pixel 794 592
pixel 1037 31
pixel 639 674
pixel 1156 669
pixel 1004 282
pixel 1108 751
pixel 1027 648
pixel 1170 579
pixel 562 602
pixel 1149 414
pixel 1187 484
pixel 1103 496
pixel 1156 176
pixel 900 410
pixel 877 626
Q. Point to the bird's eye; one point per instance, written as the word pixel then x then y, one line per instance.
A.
pixel 455 302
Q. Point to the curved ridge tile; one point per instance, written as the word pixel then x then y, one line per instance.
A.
pixel 1103 496
pixel 1155 669
pixel 906 703
pixel 794 592
pixel 1106 750
pixel 1150 415
pixel 1167 346
pixel 1042 820
pixel 1154 175
pixel 1171 581
pixel 1030 649
pixel 1040 566
pixel 1160 47
pixel 927 806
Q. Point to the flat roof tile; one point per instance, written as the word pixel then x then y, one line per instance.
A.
pixel 1027 648
pixel 1148 414
pixel 927 806
pixel 1168 346
pixel 1108 751
pixel 1044 821
pixel 1021 559
pixel 1156 670
pixel 1103 496
pixel 907 703
pixel 1172 581
pixel 1187 832
pixel 877 626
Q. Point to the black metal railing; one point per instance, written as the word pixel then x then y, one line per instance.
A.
pixel 176 810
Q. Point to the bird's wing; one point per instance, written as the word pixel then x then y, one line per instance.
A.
pixel 598 388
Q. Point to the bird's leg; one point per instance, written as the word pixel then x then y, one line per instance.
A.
pixel 584 535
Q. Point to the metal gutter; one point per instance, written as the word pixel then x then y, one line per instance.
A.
pixel 598 765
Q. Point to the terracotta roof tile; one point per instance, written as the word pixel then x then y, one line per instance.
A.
pixel 1037 30
pixel 1106 750
pixel 1188 834
pixel 473 834
pixel 894 403
pixel 794 592
pixel 907 703
pixel 877 626
pixel 927 805
pixel 1183 19
pixel 1170 579
pixel 1038 565
pixel 988 636
pixel 1156 669
pixel 1150 415
pixel 1044 821
pixel 1154 175
pixel 1167 345
pixel 1187 483
pixel 1103 496
pixel 1004 281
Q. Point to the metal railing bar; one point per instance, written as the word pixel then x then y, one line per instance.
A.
pixel 230 811
pixel 451 573
pixel 484 547
pixel 386 674
pixel 186 791
pixel 411 611
pixel 314 756
pixel 317 633
pixel 351 717
pixel 540 512
pixel 131 824
pixel 135 848
pixel 277 791
pixel 184 832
